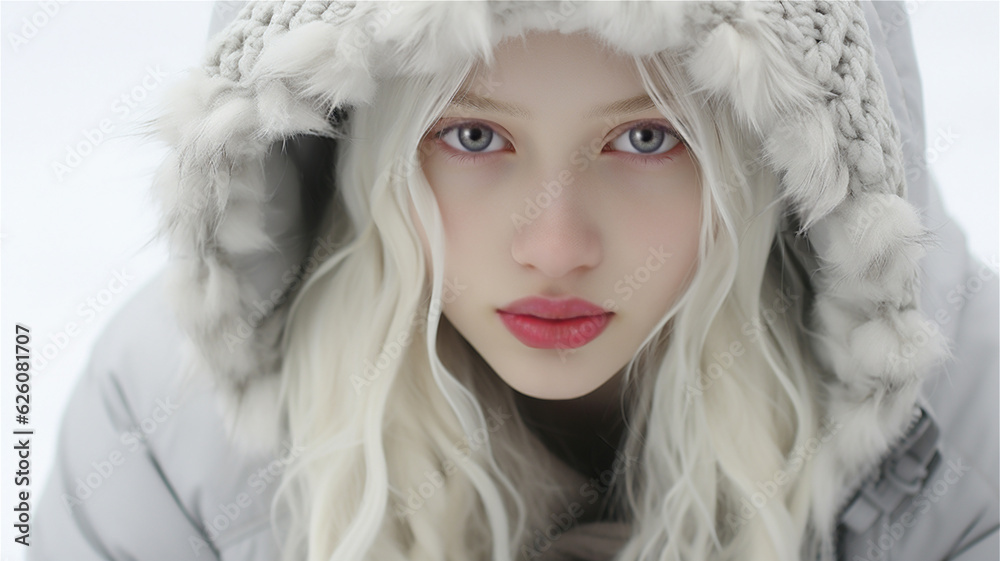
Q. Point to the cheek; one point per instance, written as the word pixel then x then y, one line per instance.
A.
pixel 473 216
pixel 666 203
pixel 663 221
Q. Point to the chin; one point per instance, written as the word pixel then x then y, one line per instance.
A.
pixel 550 393
pixel 552 386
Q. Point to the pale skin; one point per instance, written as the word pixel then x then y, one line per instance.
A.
pixel 618 226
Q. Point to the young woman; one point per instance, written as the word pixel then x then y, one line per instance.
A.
pixel 540 281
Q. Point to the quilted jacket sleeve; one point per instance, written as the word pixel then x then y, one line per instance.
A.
pixel 144 469
pixel 984 549
pixel 107 497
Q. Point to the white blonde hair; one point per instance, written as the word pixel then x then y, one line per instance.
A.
pixel 413 447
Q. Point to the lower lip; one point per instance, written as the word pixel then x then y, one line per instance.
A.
pixel 542 333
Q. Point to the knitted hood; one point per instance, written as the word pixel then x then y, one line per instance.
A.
pixel 290 71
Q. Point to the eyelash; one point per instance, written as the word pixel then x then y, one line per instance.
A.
pixel 470 158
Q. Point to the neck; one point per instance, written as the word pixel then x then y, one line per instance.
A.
pixel 585 432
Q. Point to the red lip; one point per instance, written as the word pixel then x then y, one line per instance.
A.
pixel 545 323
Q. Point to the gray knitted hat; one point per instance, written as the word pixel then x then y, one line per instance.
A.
pixel 801 74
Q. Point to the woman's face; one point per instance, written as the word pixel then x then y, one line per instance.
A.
pixel 559 182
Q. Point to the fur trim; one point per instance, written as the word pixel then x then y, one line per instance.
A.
pixel 802 78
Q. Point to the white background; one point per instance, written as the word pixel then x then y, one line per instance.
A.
pixel 63 239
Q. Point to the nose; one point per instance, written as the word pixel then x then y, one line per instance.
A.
pixel 559 234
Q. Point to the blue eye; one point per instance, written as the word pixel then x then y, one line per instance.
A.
pixel 645 143
pixel 472 137
pixel 647 139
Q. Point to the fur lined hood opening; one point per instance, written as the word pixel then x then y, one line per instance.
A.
pixel 801 75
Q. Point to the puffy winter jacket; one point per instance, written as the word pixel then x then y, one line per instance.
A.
pixel 146 469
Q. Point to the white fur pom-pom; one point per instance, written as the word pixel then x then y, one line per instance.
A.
pixel 898 350
pixel 187 102
pixel 805 147
pixel 872 246
pixel 228 128
pixel 626 25
pixel 880 353
pixel 753 72
pixel 431 37
pixel 319 61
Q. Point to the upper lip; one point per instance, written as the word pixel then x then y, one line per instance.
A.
pixel 552 308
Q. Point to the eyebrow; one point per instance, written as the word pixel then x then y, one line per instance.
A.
pixel 475 102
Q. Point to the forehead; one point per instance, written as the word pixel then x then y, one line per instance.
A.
pixel 545 70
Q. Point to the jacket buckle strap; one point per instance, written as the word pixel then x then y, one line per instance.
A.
pixel 918 456
pixel 902 475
